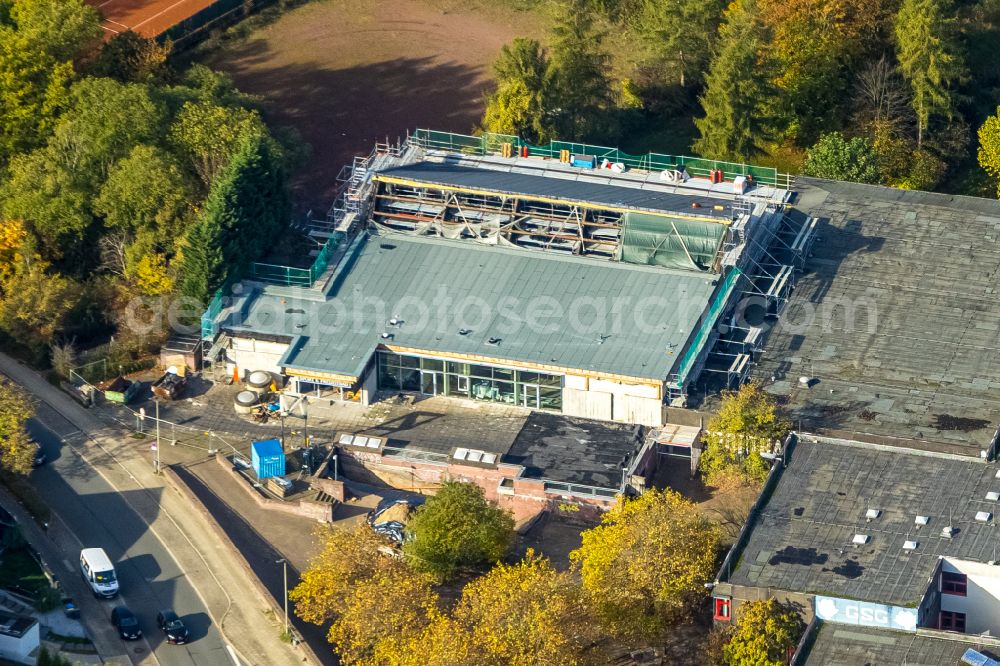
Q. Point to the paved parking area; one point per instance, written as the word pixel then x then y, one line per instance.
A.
pixel 206 419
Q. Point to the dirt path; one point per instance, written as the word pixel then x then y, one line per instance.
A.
pixel 345 73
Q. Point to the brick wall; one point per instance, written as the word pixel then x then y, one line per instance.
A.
pixel 525 498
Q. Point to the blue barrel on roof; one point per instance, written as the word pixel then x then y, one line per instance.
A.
pixel 267 458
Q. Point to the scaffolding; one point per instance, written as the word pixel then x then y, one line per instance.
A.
pixel 521 221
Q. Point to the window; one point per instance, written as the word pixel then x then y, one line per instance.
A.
pixel 952 621
pixel 723 609
pixel 954 583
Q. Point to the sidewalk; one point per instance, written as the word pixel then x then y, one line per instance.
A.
pixel 234 605
pixel 45 543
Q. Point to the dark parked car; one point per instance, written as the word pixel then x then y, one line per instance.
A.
pixel 127 623
pixel 172 626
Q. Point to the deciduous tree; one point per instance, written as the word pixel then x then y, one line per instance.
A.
pixel 646 564
pixel 16 450
pixel 382 613
pixel 762 634
pixel 748 423
pixel 207 134
pixel 34 305
pixel 812 42
pixel 147 190
pixel 519 105
pixel 929 58
pixel 345 558
pixel 527 613
pixel 457 527
pixel 132 58
pixel 63 29
pixel 52 199
pixel 839 158
pixel 104 121
pixel 38 41
pixel 989 147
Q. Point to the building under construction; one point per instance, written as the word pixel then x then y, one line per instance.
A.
pixel 570 278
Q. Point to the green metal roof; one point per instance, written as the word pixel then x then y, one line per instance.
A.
pixel 454 296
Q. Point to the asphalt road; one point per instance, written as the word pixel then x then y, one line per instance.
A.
pixel 262 556
pixel 99 516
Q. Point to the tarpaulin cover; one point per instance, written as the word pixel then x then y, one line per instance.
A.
pixel 670 242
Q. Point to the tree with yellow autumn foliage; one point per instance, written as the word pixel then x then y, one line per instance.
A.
pixel 526 613
pixel 748 423
pixel 645 566
pixel 762 635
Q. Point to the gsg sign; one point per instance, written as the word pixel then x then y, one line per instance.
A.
pixel 849 611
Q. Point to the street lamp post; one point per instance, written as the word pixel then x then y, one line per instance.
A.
pixel 284 565
pixel 157 464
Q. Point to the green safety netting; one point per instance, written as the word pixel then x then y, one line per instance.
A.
pixel 655 240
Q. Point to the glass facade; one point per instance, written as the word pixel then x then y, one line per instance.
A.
pixel 397 372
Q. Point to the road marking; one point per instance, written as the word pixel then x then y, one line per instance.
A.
pixel 159 13
pixel 232 655
pixel 69 567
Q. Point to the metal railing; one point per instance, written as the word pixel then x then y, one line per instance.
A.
pixel 492 144
pixel 580 490
pixel 409 454
pixel 292 276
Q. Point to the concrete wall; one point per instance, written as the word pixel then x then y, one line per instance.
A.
pixel 250 355
pixel 18 649
pixel 981 604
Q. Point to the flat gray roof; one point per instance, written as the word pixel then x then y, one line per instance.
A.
pixel 455 296
pixel 572 450
pixel 801 541
pixel 560 185
pixel 928 370
pixel 840 645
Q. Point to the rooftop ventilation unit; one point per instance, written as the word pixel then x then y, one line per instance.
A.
pixel 909 545
pixel 860 539
pixel 921 520
pixel 983 516
pixel 872 514
pixel 947 531
pixel 993 496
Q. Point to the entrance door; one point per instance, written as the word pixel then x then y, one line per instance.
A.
pixel 529 395
pixel 428 382
pixel 462 384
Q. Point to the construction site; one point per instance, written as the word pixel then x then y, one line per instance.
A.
pixel 492 218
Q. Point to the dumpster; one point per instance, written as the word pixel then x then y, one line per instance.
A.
pixel 267 458
pixel 119 390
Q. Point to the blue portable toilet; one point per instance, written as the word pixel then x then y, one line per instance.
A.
pixel 267 458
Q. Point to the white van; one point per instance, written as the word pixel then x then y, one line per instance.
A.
pixel 99 573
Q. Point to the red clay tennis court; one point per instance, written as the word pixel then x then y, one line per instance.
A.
pixel 146 17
